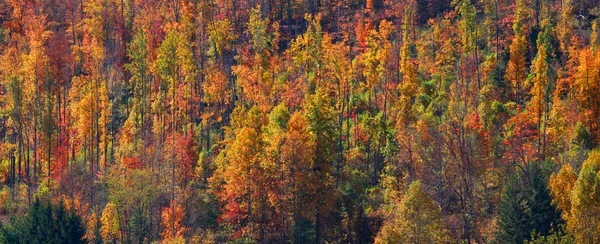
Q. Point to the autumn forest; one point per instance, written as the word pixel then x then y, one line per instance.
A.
pixel 300 121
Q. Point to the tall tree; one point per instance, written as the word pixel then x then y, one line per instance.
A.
pixel 542 81
pixel 408 92
pixel 297 160
pixel 512 214
pixel 561 186
pixel 526 207
pixel 516 70
pixel 585 202
pixel 321 118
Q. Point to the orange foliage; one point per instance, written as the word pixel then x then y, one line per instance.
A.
pixel 172 218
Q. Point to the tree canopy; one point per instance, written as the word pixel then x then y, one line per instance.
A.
pixel 300 121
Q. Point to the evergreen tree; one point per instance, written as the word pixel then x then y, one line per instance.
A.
pixel 544 215
pixel 512 214
pixel 526 208
pixel 45 223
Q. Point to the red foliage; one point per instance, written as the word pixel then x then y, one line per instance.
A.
pixel 60 161
pixel 232 213
pixel 522 138
pixel 185 155
pixel 133 163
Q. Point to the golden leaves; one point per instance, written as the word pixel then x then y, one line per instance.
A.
pixel 110 227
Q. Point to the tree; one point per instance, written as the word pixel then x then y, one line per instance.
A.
pixel 512 214
pixel 416 219
pixel 45 223
pixel 561 187
pixel 139 81
pixel 539 104
pixel 254 74
pixel 173 230
pixel 587 91
pixel 174 66
pixel 110 223
pixel 37 90
pixel 321 118
pixel 297 154
pixel 545 215
pixel 240 175
pixel 526 208
pixel 516 72
pixel 565 28
pixel 306 55
pixel 409 86
pixel 279 191
pixel 470 36
pixel 585 202
pixel 132 193
pixel 375 59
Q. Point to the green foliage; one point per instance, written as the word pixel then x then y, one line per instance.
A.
pixel 257 26
pixel 303 230
pixel 526 207
pixel 468 23
pixel 221 35
pixel 322 125
pixel 2 35
pixel 45 223
pixel 582 137
pixel 557 235
pixel 512 214
pixel 543 213
pixel 279 116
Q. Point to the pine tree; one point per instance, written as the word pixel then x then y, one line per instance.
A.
pixel 526 207
pixel 544 214
pixel 45 223
pixel 512 214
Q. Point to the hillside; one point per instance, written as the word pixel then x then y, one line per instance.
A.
pixel 301 121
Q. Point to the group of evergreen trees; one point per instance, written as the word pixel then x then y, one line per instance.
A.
pixel 526 209
pixel 45 223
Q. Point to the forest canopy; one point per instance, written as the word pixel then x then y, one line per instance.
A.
pixel 300 121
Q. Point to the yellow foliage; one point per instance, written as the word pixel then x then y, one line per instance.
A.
pixel 110 229
pixel 418 219
pixel 561 185
pixel 584 223
pixel 91 226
